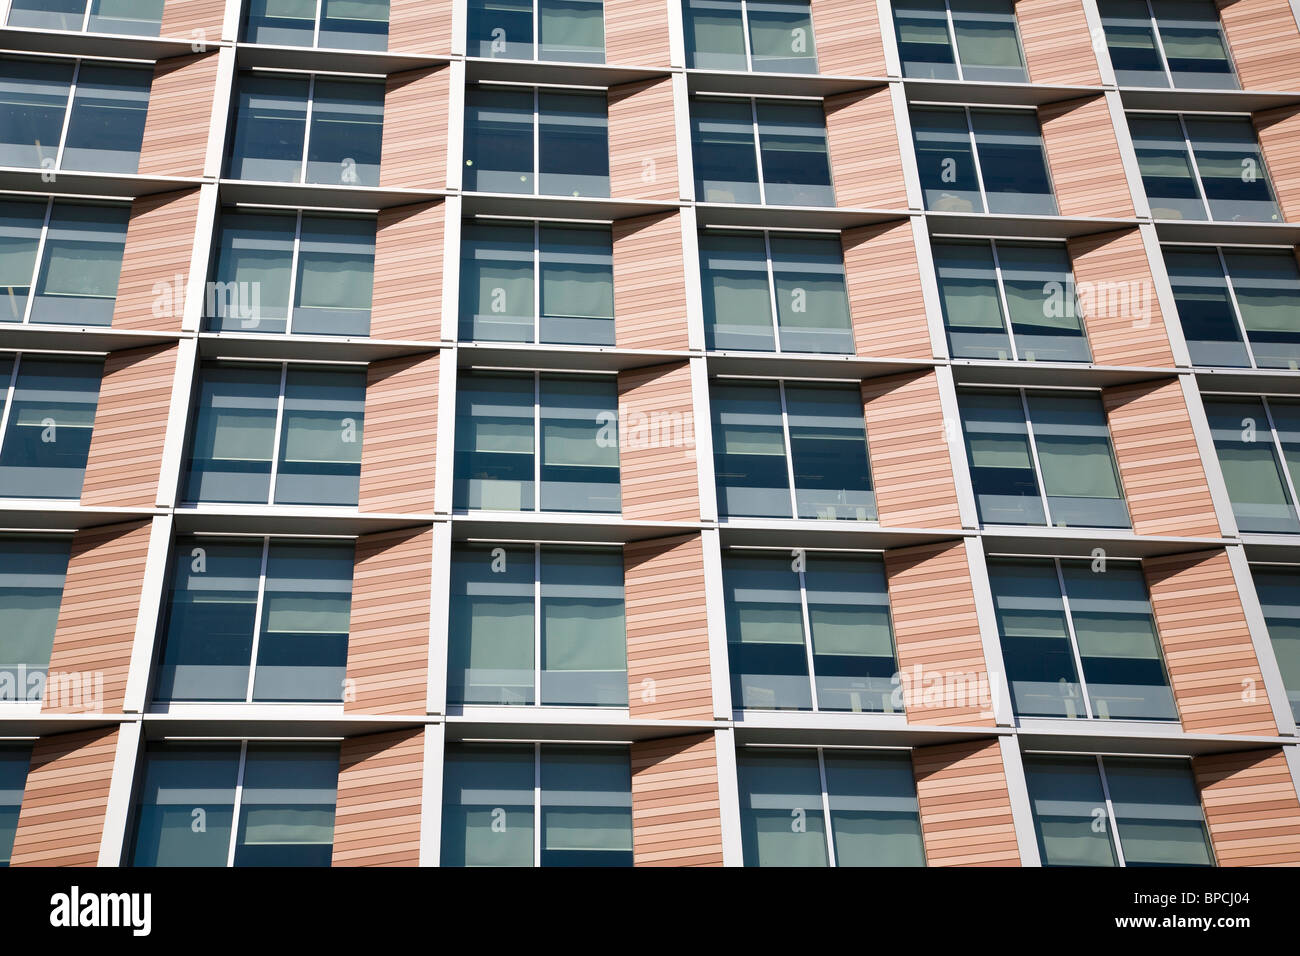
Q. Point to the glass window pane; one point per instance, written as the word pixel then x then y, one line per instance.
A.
pixel 33 101
pixel 286 814
pixel 185 805
pixel 1131 41
pixel 32 572
pixel 781 36
pixel 765 635
pixel 1166 168
pixel 584 636
pixel 828 446
pixel 796 168
pixel 270 124
pixel 251 282
pixel 501 28
pixel 924 44
pixel 211 614
pixel 1250 464
pixel 496 283
pixel 722 143
pixel 107 124
pixel 1205 307
pixel 573 144
pixel 47 434
pixel 987 42
pixel 13 780
pixel 875 819
pixel 494 442
pixel 1157 812
pixel 1279 597
pixel 577 289
pixel 1069 811
pixel 945 160
pixel 1286 420
pixel 491 635
pixel 1035 638
pixel 579 444
pixel 968 292
pixel 1039 286
pixel 586 806
pixel 1001 467
pixel 354 24
pixel 572 30
pixel 20 233
pixel 336 276
pixel 131 17
pixel 1194 45
pixel 749 451
pixel 737 297
pixel 715 35
pixel 852 640
pixel 47 14
pixel 347 131
pixel 1074 451
pixel 81 264
pixel 1232 169
pixel 487 805
pixel 234 434
pixel 499 141
pixel 812 300
pixel 320 438
pixel 281 22
pixel 302 652
pixel 782 822
pixel 1012 162
pixel 1267 286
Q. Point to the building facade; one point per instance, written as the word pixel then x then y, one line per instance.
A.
pixel 655 432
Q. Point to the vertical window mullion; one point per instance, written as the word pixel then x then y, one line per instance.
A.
pixel 1110 812
pixel 1236 307
pixel 306 128
pixel 826 809
pixel 293 272
pixel 952 39
pixel 85 16
pixel 744 28
pixel 1033 454
pixel 537 282
pixel 789 452
pixel 807 635
pixel 1281 455
pixel 1196 169
pixel 36 266
pixel 537 131
pixel 771 289
pixel 257 620
pixel 537 34
pixel 279 428
pixel 1002 299
pixel 315 33
pixel 758 150
pixel 537 624
pixel 975 157
pixel 67 115
pixel 537 804
pixel 1074 640
pixel 9 399
pixel 1160 44
pixel 537 443
pixel 237 808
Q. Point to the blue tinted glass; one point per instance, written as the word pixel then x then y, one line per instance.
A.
pixel 1251 466
pixel 491 635
pixel 737 294
pixel 487 805
pixel 13 780
pixel 811 296
pixel 494 442
pixel 1157 812
pixel 579 444
pixel 281 22
pixel 796 167
pixel 20 233
pixel 715 34
pixel 47 428
pixel 828 448
pixel 47 14
pixel 1069 806
pixel 1232 171
pixel 107 124
pixel 233 437
pixel 32 572
pixel 577 286
pixel 586 806
pixel 336 275
pixel 320 437
pixel 251 281
pixel 80 265
pixel 497 295
pixel 1079 473
pixel 1166 168
pixel 500 28
pixel 571 30
pixel 749 458
pixel 987 43
pixel 1039 287
pixel 33 102
pixel 1001 467
pixel 972 307
pixel 131 17
pixel 1193 43
pixel 722 144
pixel 354 24
pixel 347 131
pixel 499 141
pixel 270 126
pixel 1278 588
pixel 852 640
pixel 1205 307
pixel 782 822
pixel 584 635
pixel 1267 286
pixel 874 814
pixel 924 44
pixel 286 814
pixel 765 634
pixel 185 805
pixel 1012 162
pixel 945 160
pixel 1131 41
pixel 1035 638
pixel 573 144
pixel 781 36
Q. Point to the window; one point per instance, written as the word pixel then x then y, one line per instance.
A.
pixel 13 780
pixel 1167 43
pixel 983 32
pixel 1258 444
pixel 257 620
pixel 102 130
pixel 130 17
pixel 982 160
pixel 336 24
pixel 809 631
pixel 984 283
pixel 325 263
pixel 48 412
pixel 545 618
pixel 1079 642
pixel 1042 458
pixel 520 431
pixel 791 449
pixel 1116 811
pixel 537 142
pixel 69 253
pixel 536 805
pixel 1239 307
pixel 32 571
pixel 276 433
pixel 501 299
pixel 769 292
pixel 824 807
pixel 572 31
pixel 274 142
pixel 760 151
pixel 765 36
pixel 1278 587
pixel 1202 167
pixel 261 804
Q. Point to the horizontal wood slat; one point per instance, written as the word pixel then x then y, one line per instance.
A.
pixel 847 37
pixel 417 105
pixel 97 618
pixel 866 167
pixel 1212 665
pixel 400 435
pixel 377 814
pixel 151 286
pixel 61 822
pixel 406 301
pixel 965 805
pixel 388 641
pixel 1057 43
pixel 676 811
pixel 656 444
pixel 181 18
pixel 1263 41
pixel 941 662
pixel 636 32
pixel 911 465
pixel 885 293
pixel 649 283
pixel 668 673
pixel 1117 296
pixel 1250 807
pixel 642 141
pixel 176 125
pixel 420 26
pixel 1279 138
pixel 1083 155
pixel 135 394
pixel 1159 462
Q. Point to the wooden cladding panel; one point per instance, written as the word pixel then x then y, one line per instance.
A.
pixel 965 805
pixel 668 672
pixel 884 286
pixel 937 635
pixel 181 18
pixel 1083 155
pixel 1263 41
pixel 848 38
pixel 159 241
pixel 388 641
pixel 1279 138
pixel 1212 665
pixel 417 105
pixel 656 439
pixel 400 434
pixel 377 815
pixel 636 32
pixel 406 302
pixel 97 617
pixel 1057 43
pixel 1250 807
pixel 176 125
pixel 676 811
pixel 61 822
pixel 135 394
pixel 1159 463
pixel 642 141
pixel 1117 296
pixel 419 26
pixel 863 140
pixel 911 467
pixel 649 283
